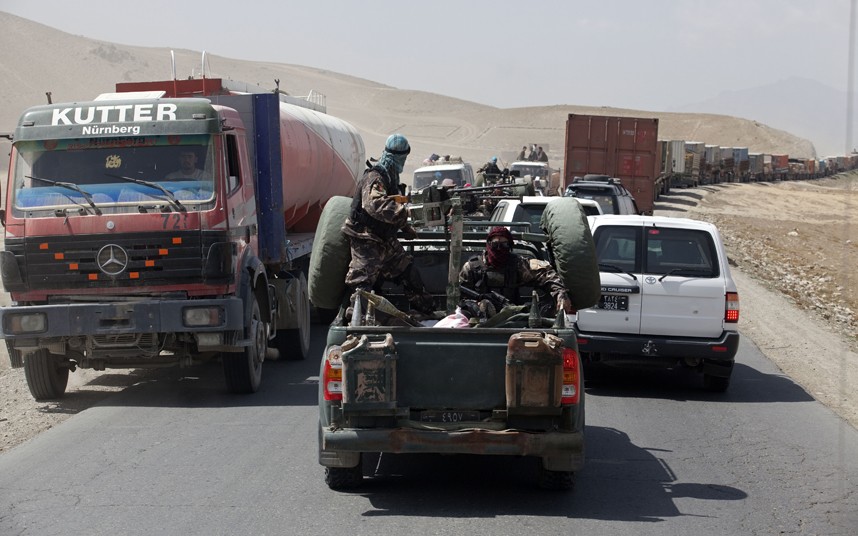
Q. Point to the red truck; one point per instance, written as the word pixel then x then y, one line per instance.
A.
pixel 622 147
pixel 166 224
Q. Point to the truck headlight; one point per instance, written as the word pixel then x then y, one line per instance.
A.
pixel 21 323
pixel 202 316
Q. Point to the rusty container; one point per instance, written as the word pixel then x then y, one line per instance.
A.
pixel 369 372
pixel 534 372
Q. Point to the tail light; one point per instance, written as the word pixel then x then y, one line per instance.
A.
pixel 332 375
pixel 731 308
pixel 571 379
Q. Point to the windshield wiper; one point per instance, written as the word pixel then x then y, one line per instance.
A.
pixel 616 269
pixel 170 197
pixel 692 270
pixel 71 186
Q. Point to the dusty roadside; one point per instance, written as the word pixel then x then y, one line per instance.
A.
pixel 794 247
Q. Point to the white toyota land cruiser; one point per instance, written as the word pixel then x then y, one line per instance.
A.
pixel 667 297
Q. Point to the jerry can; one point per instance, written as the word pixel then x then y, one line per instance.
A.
pixel 534 371
pixel 369 372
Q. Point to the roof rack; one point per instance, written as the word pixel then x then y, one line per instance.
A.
pixel 592 177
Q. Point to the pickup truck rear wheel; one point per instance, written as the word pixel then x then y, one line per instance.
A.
pixel 243 371
pixel 338 478
pixel 294 344
pixel 47 377
pixel 556 480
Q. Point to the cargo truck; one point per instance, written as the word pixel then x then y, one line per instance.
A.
pixel 621 147
pixel 113 260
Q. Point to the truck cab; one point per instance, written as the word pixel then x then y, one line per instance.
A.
pixel 456 172
pixel 147 228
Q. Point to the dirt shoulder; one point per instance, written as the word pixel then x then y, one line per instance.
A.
pixel 793 247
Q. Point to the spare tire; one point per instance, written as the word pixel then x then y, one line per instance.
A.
pixel 329 261
pixel 571 242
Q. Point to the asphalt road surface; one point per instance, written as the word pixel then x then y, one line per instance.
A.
pixel 177 455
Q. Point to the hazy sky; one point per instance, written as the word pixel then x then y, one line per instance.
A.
pixel 643 54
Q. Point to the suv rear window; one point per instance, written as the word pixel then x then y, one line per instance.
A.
pixel 683 252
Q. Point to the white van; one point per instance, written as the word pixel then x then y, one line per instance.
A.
pixel 668 298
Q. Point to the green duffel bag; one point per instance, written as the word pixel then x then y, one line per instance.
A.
pixel 329 261
pixel 570 239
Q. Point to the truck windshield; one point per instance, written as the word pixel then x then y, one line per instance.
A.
pixel 113 175
pixel 422 179
pixel 532 170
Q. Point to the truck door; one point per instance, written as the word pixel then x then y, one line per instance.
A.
pixel 683 288
pixel 619 250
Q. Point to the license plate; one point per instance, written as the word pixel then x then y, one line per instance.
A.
pixel 449 416
pixel 609 302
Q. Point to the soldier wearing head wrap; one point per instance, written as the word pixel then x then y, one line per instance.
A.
pixel 378 211
pixel 500 270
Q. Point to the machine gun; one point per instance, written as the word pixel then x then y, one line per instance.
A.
pixel 496 298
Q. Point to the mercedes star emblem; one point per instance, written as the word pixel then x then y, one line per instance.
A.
pixel 112 259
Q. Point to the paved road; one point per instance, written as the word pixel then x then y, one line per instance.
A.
pixel 176 455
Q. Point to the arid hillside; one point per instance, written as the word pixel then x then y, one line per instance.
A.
pixel 38 59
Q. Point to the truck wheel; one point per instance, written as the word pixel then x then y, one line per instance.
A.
pixel 569 234
pixel 243 371
pixel 329 261
pixel 716 384
pixel 46 376
pixel 294 344
pixel 556 480
pixel 338 478
pixel 16 359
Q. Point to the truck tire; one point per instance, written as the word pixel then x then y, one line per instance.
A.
pixel 243 371
pixel 556 480
pixel 46 376
pixel 338 478
pixel 574 253
pixel 294 344
pixel 329 261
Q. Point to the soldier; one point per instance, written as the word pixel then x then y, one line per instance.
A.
pixel 377 213
pixel 500 270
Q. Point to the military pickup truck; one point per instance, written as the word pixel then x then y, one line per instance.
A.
pixel 509 385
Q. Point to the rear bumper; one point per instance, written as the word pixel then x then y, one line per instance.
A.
pixel 564 451
pixel 646 348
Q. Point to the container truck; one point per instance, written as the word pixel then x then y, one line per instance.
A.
pixel 113 261
pixel 621 147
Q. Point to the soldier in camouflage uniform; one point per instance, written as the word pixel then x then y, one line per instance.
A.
pixel 499 269
pixel 378 211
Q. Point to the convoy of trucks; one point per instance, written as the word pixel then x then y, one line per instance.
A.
pixel 114 262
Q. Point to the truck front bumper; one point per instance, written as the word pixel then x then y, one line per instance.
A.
pixel 117 318
pixel 561 451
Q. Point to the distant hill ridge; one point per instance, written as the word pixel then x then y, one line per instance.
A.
pixel 38 59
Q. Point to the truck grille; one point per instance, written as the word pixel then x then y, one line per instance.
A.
pixel 131 260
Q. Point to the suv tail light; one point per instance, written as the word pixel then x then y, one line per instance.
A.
pixel 332 374
pixel 731 308
pixel 571 379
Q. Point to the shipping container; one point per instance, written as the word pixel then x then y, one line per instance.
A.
pixel 622 147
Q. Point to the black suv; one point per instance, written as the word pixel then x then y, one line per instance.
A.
pixel 609 192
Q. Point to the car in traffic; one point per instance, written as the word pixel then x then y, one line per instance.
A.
pixel 530 208
pixel 667 298
pixel 609 192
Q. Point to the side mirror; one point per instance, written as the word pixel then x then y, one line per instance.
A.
pixel 3 217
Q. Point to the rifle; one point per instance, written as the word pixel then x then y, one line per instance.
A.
pixel 498 300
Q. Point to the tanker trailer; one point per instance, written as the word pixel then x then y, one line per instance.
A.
pixel 166 224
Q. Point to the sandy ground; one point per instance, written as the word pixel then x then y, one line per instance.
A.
pixel 793 248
